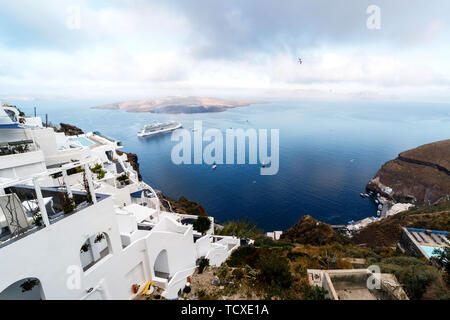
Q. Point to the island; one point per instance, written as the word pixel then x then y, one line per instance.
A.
pixel 185 104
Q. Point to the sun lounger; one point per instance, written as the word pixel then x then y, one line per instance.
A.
pixel 425 237
pixel 417 236
pixel 436 238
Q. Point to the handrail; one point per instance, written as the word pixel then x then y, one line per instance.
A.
pixel 172 281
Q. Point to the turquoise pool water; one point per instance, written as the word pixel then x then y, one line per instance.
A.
pixel 83 140
pixel 429 250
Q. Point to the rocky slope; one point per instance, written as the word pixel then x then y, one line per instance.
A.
pixel 179 105
pixel 420 175
pixel 310 231
pixel 70 130
pixel 386 232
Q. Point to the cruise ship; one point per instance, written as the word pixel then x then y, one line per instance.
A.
pixel 155 128
pixel 77 223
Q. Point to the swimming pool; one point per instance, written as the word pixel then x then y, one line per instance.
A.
pixel 85 142
pixel 429 250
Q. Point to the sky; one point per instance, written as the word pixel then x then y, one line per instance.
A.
pixel 123 50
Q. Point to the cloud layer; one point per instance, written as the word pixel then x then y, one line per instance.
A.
pixel 136 49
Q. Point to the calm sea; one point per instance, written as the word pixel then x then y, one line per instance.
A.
pixel 328 152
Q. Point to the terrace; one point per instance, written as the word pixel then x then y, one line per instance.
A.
pixel 356 284
pixel 423 243
pixel 26 207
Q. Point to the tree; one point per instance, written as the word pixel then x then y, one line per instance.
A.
pixel 202 224
pixel 442 257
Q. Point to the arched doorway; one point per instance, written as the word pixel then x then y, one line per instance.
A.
pixel 161 266
pixel 25 289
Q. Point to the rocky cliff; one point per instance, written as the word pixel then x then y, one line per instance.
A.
pixel 310 231
pixel 70 130
pixel 419 175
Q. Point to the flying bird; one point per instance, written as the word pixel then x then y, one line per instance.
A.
pixel 299 60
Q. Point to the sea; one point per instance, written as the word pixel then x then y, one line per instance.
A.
pixel 328 152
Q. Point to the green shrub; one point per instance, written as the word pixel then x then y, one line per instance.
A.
pixel 274 269
pixel 202 264
pixel 443 260
pixel 238 273
pixel 68 204
pixel 223 271
pixel 201 224
pixel 98 170
pixel 313 292
pixel 243 256
pixel 266 242
pixel 242 229
pixel 414 274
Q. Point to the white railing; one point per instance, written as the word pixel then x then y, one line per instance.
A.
pixel 177 282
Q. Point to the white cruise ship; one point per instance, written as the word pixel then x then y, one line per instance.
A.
pixel 76 222
pixel 158 127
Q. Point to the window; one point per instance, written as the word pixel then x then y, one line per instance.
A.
pixel 95 248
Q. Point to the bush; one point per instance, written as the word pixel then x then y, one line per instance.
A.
pixel 223 271
pixel 443 260
pixel 203 263
pixel 202 224
pixel 413 273
pixel 313 292
pixel 242 229
pixel 266 242
pixel 98 170
pixel 274 269
pixel 238 273
pixel 68 204
pixel 243 256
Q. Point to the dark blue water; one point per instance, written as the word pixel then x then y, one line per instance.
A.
pixel 328 152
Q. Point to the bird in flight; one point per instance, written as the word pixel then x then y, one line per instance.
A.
pixel 299 60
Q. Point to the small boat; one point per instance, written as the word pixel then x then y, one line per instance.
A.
pixel 363 195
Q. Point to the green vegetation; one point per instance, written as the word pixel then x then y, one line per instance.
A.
pixel 123 179
pixel 203 263
pixel 415 274
pixel 242 229
pixel 98 170
pixel 202 224
pixel 313 292
pixel 443 260
pixel 68 204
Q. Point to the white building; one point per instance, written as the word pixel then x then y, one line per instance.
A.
pixel 114 242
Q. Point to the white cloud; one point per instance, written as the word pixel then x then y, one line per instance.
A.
pixel 155 48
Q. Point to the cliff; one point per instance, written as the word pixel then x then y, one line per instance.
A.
pixel 419 175
pixel 70 130
pixel 132 158
pixel 182 205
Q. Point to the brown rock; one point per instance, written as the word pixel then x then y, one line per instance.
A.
pixel 419 175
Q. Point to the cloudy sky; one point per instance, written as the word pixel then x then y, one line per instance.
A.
pixel 121 49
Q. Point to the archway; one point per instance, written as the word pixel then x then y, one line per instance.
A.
pixel 161 266
pixel 25 289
